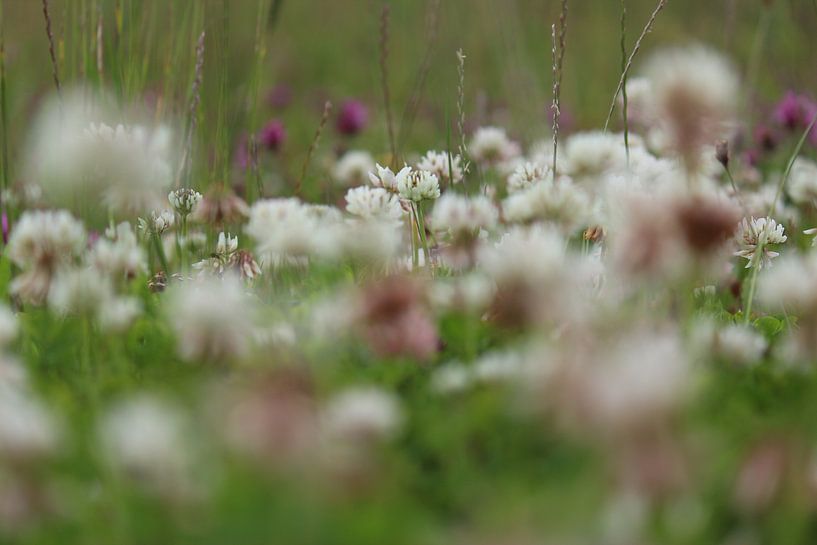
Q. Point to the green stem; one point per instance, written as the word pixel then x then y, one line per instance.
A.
pixel 160 251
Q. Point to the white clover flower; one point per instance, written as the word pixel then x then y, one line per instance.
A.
pixel 526 255
pixel 367 241
pixel 591 154
pixel 527 175
pixel 211 318
pixel 438 164
pixel 362 414
pixel 417 185
pixel 791 284
pixel 117 314
pixel 462 215
pixel 740 344
pixel 43 238
pixel 353 168
pixel 119 254
pixel 560 203
pixel 226 244
pixel 145 438
pixel 640 101
pixel 696 92
pixel 75 158
pixel 802 184
pixel 158 222
pixel 40 243
pixel 184 200
pixel 373 203
pixel 27 428
pixel 751 233
pixel 385 178
pixel 79 291
pixel 288 231
pixel 492 145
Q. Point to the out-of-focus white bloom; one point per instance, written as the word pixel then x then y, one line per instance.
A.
pixel 559 203
pixel 184 200
pixel 802 184
pixel 86 292
pixel 368 241
pixel 145 438
pixel 74 157
pixel 117 314
pixel 451 378
pixel 524 254
pixel 362 414
pixel 739 344
pixel 640 376
pixel 45 238
pixel 438 164
pixel 791 284
pixel 491 145
pixel 460 215
pixel 417 185
pixel 385 178
pixel 40 243
pixel 373 203
pixel 211 318
pixel 696 91
pixel 79 291
pixel 158 222
pixel 353 168
pixel 8 326
pixel 119 253
pixel 755 231
pixel 591 154
pixel 286 230
pixel 27 429
pixel 640 101
pixel 470 293
pixel 528 175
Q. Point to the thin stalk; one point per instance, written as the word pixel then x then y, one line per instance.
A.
pixel 757 259
pixel 753 70
pixel 558 64
pixel 51 49
pixel 160 252
pixel 327 109
pixel 384 81
pixel 4 101
pixel 461 108
pixel 636 48
pixel 421 230
pixel 410 112
pixel 625 117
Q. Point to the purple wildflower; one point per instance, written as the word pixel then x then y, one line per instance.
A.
pixel 352 118
pixel 273 135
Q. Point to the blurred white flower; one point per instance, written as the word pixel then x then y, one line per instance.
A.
pixel 212 319
pixel 527 175
pixel 559 203
pixel 491 145
pixel 460 215
pixel 40 243
pixel 802 183
pixel 447 168
pixel 373 203
pixel 27 429
pixel 145 438
pixel 353 168
pixel 119 254
pixel 362 414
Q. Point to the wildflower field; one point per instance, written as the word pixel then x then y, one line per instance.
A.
pixel 408 272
